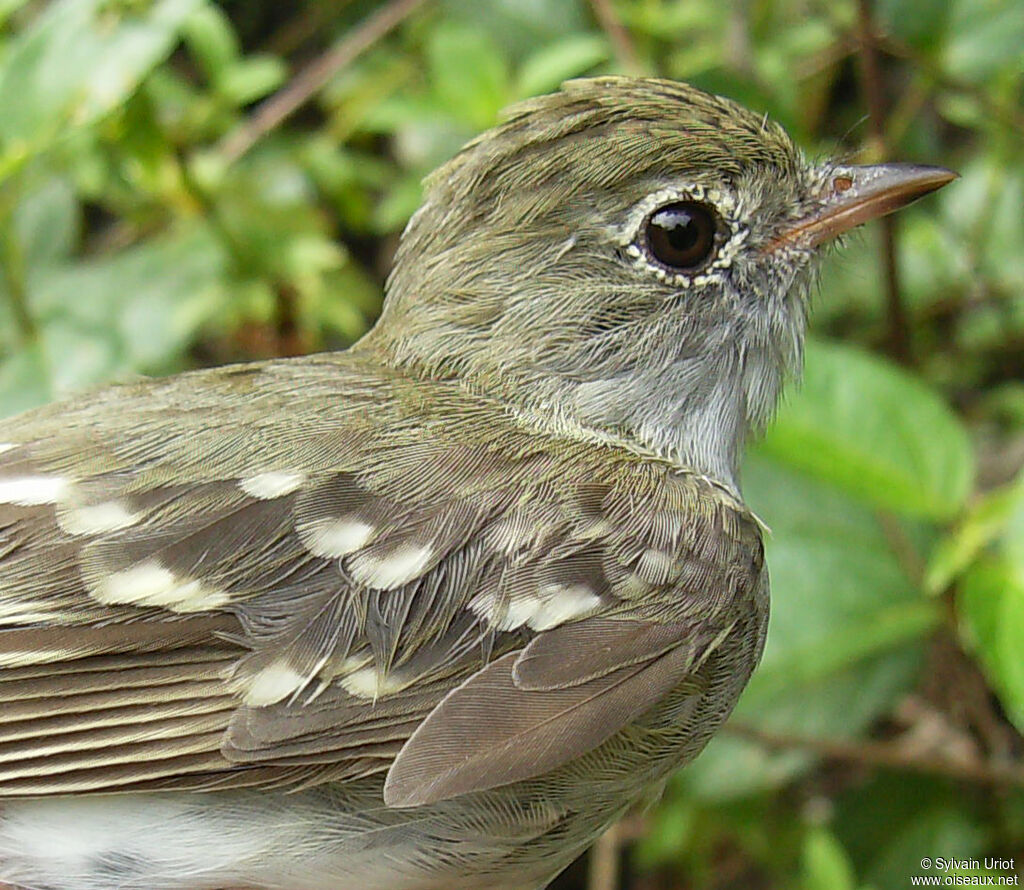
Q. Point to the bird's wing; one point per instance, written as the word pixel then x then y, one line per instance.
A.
pixel 286 574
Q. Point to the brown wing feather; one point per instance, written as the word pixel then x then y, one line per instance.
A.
pixel 290 598
pixel 576 653
pixel 98 722
pixel 489 732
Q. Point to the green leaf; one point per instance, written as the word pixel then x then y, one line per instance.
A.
pixel 47 222
pixel 9 7
pixel 520 25
pixel 981 227
pixel 172 287
pixel 134 311
pixel 876 432
pixel 78 61
pixel 275 230
pixel 545 69
pixel 469 73
pixel 251 79
pixel 844 637
pixel 834 573
pixel 824 863
pixel 991 542
pixel 836 649
pixel 933 258
pixel 25 381
pixel 985 36
pixel 211 38
pixel 943 831
pixel 398 204
pixel 992 606
pixel 889 821
pixel 923 23
pixel 676 22
pixel 988 517
pixel 81 357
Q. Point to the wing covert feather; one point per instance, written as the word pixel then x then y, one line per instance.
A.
pixel 298 597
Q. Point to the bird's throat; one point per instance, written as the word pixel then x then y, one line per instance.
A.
pixel 679 414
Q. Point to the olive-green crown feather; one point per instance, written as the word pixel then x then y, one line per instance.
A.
pixel 599 131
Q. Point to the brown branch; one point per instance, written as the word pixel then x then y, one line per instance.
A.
pixel 738 53
pixel 884 754
pixel 622 43
pixel 604 860
pixel 270 113
pixel 874 96
pixel 902 547
pixel 1000 461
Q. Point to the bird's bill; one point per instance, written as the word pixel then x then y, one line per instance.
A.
pixel 860 194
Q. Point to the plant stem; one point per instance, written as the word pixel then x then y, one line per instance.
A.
pixel 311 79
pixel 874 97
pixel 884 754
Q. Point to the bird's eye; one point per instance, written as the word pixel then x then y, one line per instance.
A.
pixel 681 235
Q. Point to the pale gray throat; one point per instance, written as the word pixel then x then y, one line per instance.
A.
pixel 693 414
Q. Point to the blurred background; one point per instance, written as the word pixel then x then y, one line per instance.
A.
pixel 184 183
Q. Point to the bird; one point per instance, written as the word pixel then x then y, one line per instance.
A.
pixel 434 611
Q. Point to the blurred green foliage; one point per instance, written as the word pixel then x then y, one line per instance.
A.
pixel 137 236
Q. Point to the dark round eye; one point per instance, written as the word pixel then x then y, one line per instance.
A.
pixel 682 235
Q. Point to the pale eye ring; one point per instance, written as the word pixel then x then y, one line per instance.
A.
pixel 681 235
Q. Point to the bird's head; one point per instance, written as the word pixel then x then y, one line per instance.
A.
pixel 630 258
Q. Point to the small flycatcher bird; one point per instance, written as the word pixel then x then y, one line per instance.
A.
pixel 431 613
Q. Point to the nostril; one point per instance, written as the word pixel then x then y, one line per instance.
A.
pixel 842 184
